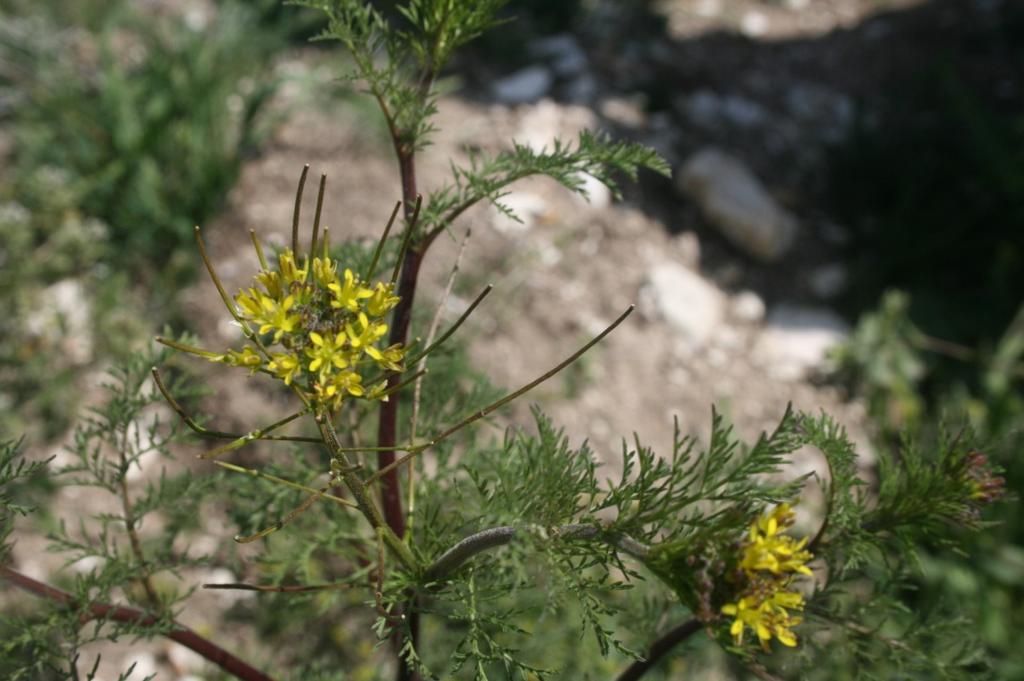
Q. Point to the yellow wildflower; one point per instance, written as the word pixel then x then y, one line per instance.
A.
pixel 325 272
pixel 377 392
pixel 370 333
pixel 321 321
pixel 348 295
pixel 767 617
pixel 390 357
pixel 271 281
pixel 769 562
pixel 249 303
pixel 333 391
pixel 382 300
pixel 247 357
pixel 285 366
pixel 270 314
pixel 349 381
pixel 276 317
pixel 326 351
pixel 290 271
pixel 768 550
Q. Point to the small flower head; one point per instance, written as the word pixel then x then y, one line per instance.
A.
pixel 768 550
pixel 246 357
pixel 985 486
pixel 347 295
pixel 318 331
pixel 285 366
pixel 769 562
pixel 382 300
pixel 768 616
pixel 327 352
pixel 368 334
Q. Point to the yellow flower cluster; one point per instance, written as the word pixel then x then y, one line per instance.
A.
pixel 769 563
pixel 321 329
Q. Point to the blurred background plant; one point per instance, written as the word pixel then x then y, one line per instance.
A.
pixel 149 117
pixel 930 181
pixel 916 387
pixel 124 129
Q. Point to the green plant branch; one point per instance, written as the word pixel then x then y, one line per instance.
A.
pixel 257 434
pixel 361 495
pixel 316 218
pixel 145 578
pixel 280 588
pixel 476 416
pixel 297 211
pixel 452 329
pixel 235 468
pixel 179 634
pixel 206 432
pixel 421 362
pixel 452 559
pixel 371 270
pixel 487 178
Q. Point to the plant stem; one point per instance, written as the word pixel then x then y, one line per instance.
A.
pixel 136 546
pixel 452 559
pixel 362 496
pixel 180 634
pixel 387 426
pixel 660 648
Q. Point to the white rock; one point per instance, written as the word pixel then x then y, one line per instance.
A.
pixel 748 307
pixel 687 244
pixel 523 86
pixel 88 564
pixel 754 24
pixel 828 281
pixel 184 660
pixel 691 305
pixel 624 111
pixel 145 663
pixel 736 203
pixel 62 319
pixel 542 123
pixel 797 339
pixel 528 207
pixel 708 9
pixel 728 338
pixel 597 194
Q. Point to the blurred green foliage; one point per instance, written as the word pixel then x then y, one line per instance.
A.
pixel 931 183
pixel 149 116
pixel 907 379
pixel 62 309
pixel 123 129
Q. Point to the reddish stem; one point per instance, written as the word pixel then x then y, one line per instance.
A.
pixel 183 635
pixel 387 427
pixel 660 648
